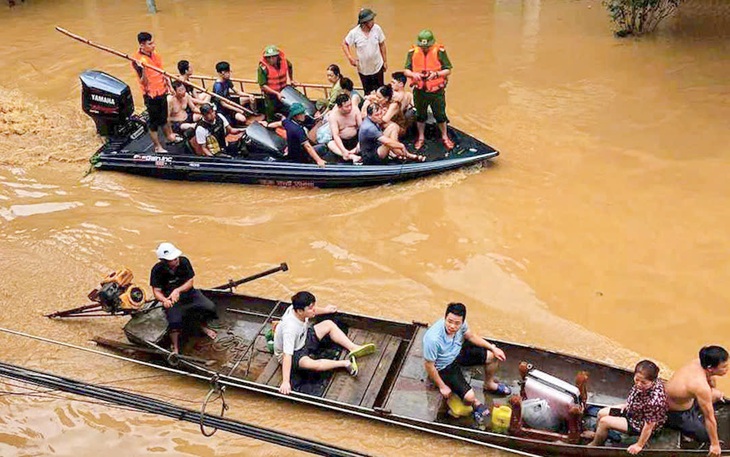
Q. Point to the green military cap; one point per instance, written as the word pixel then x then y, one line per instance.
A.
pixel 271 51
pixel 425 38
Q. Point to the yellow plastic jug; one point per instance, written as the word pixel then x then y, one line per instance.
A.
pixel 501 416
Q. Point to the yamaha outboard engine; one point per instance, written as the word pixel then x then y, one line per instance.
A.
pixel 108 101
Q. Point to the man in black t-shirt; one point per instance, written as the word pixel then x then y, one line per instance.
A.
pixel 172 284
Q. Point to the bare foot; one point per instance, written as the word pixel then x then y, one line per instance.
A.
pixel 160 150
pixel 212 334
pixel 588 435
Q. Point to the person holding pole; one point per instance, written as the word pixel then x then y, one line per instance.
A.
pixel 154 86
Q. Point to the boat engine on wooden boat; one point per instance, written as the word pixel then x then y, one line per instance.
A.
pixel 117 293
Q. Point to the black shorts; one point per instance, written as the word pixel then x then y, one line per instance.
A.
pixel 192 305
pixel 311 346
pixel 690 422
pixel 372 82
pixel 453 376
pixel 175 125
pixel 156 110
pixel 349 143
pixel 630 429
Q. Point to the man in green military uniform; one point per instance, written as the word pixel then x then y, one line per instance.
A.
pixel 429 68
pixel 275 72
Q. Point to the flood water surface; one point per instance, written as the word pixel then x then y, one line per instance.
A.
pixel 599 231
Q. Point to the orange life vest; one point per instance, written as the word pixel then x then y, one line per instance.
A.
pixel 276 77
pixel 156 81
pixel 429 61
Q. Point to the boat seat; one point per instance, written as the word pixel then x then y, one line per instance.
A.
pixel 364 389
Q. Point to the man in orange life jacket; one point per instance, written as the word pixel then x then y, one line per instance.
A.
pixel 154 86
pixel 274 74
pixel 429 68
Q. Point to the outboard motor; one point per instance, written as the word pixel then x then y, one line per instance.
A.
pixel 259 139
pixel 291 95
pixel 108 101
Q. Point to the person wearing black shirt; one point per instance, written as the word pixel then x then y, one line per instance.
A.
pixel 299 148
pixel 172 284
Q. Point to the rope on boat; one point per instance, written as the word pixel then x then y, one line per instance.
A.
pixel 359 411
pixel 150 405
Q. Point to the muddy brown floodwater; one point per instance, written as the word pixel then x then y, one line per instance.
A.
pixel 601 230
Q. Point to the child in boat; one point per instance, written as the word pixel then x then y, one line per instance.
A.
pixel 644 412
pixel 296 340
pixel 448 345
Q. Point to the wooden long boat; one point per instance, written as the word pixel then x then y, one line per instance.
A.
pixel 128 148
pixel 392 385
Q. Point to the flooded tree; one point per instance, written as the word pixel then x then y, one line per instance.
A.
pixel 637 17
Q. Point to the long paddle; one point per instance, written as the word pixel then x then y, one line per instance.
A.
pixel 231 284
pixel 151 67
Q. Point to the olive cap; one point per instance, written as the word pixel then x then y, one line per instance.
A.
pixel 425 38
pixel 271 51
pixel 365 15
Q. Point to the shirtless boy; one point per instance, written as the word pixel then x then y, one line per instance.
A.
pixel 183 113
pixel 344 123
pixel 691 393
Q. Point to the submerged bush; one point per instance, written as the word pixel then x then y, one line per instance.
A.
pixel 636 17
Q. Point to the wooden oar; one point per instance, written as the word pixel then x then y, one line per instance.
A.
pixel 152 67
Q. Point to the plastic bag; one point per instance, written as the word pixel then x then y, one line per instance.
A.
pixel 536 413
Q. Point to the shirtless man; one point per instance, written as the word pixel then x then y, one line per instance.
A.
pixel 182 112
pixel 186 71
pixel 691 393
pixel 344 124
pixel 402 113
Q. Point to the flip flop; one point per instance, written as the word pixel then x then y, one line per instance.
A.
pixel 353 370
pixel 501 390
pixel 418 144
pixel 366 349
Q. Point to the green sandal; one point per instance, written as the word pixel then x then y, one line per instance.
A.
pixel 362 351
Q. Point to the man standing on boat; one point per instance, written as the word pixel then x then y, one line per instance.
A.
pixel 371 56
pixel 691 394
pixel 297 341
pixel 172 284
pixel 154 86
pixel 275 72
pixel 448 345
pixel 429 67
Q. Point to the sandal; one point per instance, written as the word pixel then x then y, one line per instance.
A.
pixel 418 144
pixel 501 390
pixel 448 144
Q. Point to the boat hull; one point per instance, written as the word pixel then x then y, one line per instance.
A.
pixel 392 386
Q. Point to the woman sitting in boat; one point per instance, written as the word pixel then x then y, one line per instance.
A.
pixel 296 341
pixel 349 88
pixel 333 76
pixel 644 412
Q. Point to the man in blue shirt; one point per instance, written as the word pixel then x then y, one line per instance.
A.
pixel 449 345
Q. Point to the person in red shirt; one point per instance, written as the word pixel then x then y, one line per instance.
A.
pixel 154 86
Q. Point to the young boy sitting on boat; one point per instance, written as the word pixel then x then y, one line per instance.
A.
pixel 644 412
pixel 296 341
pixel 449 345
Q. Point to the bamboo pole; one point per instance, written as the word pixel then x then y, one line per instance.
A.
pixel 152 67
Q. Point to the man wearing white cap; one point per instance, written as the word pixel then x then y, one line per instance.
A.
pixel 172 284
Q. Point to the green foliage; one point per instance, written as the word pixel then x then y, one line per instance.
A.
pixel 636 17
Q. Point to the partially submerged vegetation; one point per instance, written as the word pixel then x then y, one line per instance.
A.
pixel 638 17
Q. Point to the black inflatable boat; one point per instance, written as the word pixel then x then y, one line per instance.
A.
pixel 128 148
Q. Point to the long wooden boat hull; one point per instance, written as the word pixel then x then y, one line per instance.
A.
pixel 392 385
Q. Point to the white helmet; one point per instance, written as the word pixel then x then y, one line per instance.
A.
pixel 168 251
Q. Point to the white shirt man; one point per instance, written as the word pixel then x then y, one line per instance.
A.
pixel 370 56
